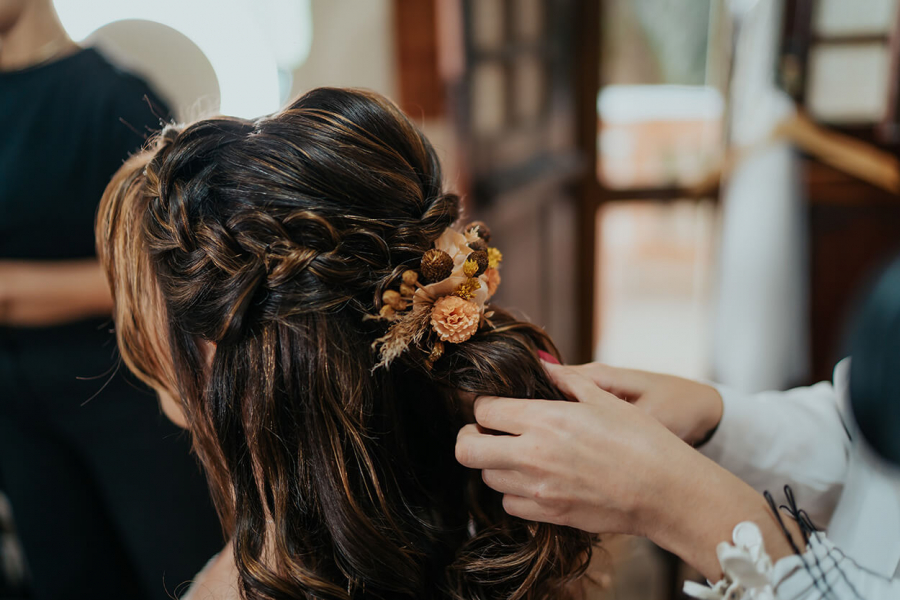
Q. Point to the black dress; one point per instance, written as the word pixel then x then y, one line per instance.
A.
pixel 107 500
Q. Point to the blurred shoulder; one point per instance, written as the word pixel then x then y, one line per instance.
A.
pixel 125 109
pixel 117 94
pixel 109 77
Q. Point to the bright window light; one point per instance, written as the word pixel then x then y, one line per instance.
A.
pixel 623 104
pixel 235 35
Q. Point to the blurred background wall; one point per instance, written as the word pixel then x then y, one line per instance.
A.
pixel 352 45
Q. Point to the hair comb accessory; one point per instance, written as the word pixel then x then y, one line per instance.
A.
pixel 445 301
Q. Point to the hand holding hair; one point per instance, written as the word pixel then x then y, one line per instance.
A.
pixel 556 465
pixel 605 466
pixel 689 409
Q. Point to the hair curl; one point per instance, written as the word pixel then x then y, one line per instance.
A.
pixel 272 239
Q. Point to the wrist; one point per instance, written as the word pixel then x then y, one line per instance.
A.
pixel 702 505
pixel 714 408
pixel 669 502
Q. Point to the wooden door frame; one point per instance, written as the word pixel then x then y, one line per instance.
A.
pixel 589 191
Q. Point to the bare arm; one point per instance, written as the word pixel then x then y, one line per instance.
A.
pixel 42 293
pixel 769 439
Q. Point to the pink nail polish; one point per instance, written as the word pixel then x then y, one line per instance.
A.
pixel 547 357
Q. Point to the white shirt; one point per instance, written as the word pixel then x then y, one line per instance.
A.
pixel 806 438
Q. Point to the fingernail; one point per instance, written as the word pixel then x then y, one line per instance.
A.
pixel 547 357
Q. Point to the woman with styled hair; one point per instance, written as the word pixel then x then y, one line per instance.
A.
pixel 296 290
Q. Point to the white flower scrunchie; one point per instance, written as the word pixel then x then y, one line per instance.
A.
pixel 747 569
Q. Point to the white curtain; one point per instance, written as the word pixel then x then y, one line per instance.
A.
pixel 761 326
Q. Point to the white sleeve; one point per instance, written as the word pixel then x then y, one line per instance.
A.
pixel 825 573
pixel 795 438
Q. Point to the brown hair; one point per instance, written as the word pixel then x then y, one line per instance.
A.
pixel 273 239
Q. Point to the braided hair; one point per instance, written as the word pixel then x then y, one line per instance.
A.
pixel 272 240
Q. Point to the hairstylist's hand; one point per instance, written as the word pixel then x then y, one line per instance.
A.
pixel 598 464
pixel 689 409
pixel 605 466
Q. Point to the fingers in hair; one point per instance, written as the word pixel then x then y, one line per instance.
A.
pixel 573 384
pixel 478 450
pixel 532 510
pixel 507 481
pixel 507 415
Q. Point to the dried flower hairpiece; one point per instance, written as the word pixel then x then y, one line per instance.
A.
pixel 444 302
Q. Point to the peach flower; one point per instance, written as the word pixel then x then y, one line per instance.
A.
pixel 492 278
pixel 455 320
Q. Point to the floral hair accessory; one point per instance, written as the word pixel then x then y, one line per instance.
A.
pixel 445 300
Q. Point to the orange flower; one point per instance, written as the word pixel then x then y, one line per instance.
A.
pixel 455 320
pixel 493 280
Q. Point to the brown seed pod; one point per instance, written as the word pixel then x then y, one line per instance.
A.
pixel 410 277
pixel 392 298
pixel 478 245
pixel 437 351
pixel 407 290
pixel 481 259
pixel 436 266
pixel 480 229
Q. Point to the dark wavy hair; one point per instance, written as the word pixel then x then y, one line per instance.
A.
pixel 272 240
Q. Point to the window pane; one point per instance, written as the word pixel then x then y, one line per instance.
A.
pixel 658 136
pixel 487 24
pixel 529 20
pixel 848 83
pixel 655 41
pixel 659 125
pixel 654 269
pixel 488 98
pixel 529 84
pixel 856 17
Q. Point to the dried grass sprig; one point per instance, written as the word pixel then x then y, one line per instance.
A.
pixel 406 329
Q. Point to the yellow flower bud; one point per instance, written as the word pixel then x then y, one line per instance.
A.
pixel 495 257
pixel 467 289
